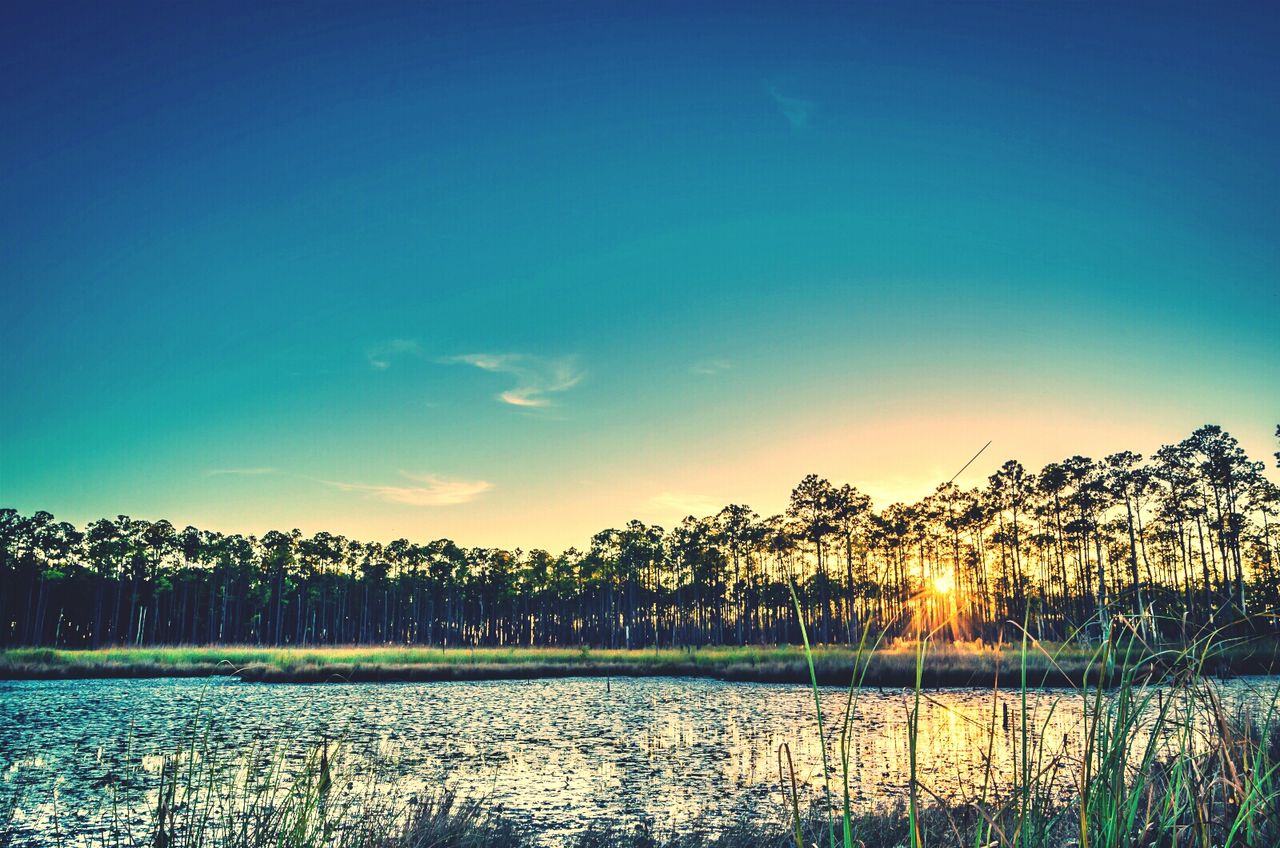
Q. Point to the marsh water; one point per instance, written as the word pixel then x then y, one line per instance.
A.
pixel 554 754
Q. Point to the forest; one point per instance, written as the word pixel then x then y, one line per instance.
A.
pixel 1176 543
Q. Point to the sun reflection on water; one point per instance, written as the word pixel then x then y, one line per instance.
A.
pixel 558 753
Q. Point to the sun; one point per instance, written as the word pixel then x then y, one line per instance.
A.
pixel 944 584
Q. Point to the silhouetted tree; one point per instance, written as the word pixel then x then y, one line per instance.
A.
pixel 1186 539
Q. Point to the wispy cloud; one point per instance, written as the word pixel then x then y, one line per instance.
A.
pixel 382 354
pixel 239 472
pixel 431 490
pixel 535 377
pixel 796 111
pixel 685 504
pixel 709 367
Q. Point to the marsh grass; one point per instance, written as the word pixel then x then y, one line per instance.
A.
pixel 269 796
pixel 879 664
pixel 1165 762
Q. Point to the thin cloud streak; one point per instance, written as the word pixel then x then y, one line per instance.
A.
pixel 796 111
pixel 432 491
pixel 381 355
pixel 710 367
pixel 535 377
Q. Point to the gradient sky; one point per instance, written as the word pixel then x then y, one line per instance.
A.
pixel 513 274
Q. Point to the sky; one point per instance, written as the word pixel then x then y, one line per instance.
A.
pixel 512 274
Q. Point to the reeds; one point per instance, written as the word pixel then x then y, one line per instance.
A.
pixel 1165 763
pixel 264 797
pixel 1160 760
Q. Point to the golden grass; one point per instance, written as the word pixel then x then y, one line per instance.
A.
pixel 950 664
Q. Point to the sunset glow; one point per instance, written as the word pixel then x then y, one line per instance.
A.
pixel 747 275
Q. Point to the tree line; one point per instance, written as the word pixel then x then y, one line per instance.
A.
pixel 1182 540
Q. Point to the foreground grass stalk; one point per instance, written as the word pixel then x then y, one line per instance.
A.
pixel 861 661
pixel 913 730
pixel 1166 761
pixel 817 703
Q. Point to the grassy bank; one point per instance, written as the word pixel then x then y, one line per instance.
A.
pixel 894 665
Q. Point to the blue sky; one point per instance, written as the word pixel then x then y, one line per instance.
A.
pixel 514 273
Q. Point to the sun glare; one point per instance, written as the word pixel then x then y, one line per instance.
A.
pixel 944 584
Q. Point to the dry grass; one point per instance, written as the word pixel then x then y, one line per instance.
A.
pixel 950 664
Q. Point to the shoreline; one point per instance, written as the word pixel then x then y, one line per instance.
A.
pixel 944 666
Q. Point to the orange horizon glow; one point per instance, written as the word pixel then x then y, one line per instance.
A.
pixel 892 458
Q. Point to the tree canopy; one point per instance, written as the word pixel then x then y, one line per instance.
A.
pixel 1184 539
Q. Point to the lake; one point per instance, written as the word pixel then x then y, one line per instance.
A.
pixel 555 754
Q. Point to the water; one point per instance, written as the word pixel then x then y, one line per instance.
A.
pixel 556 754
